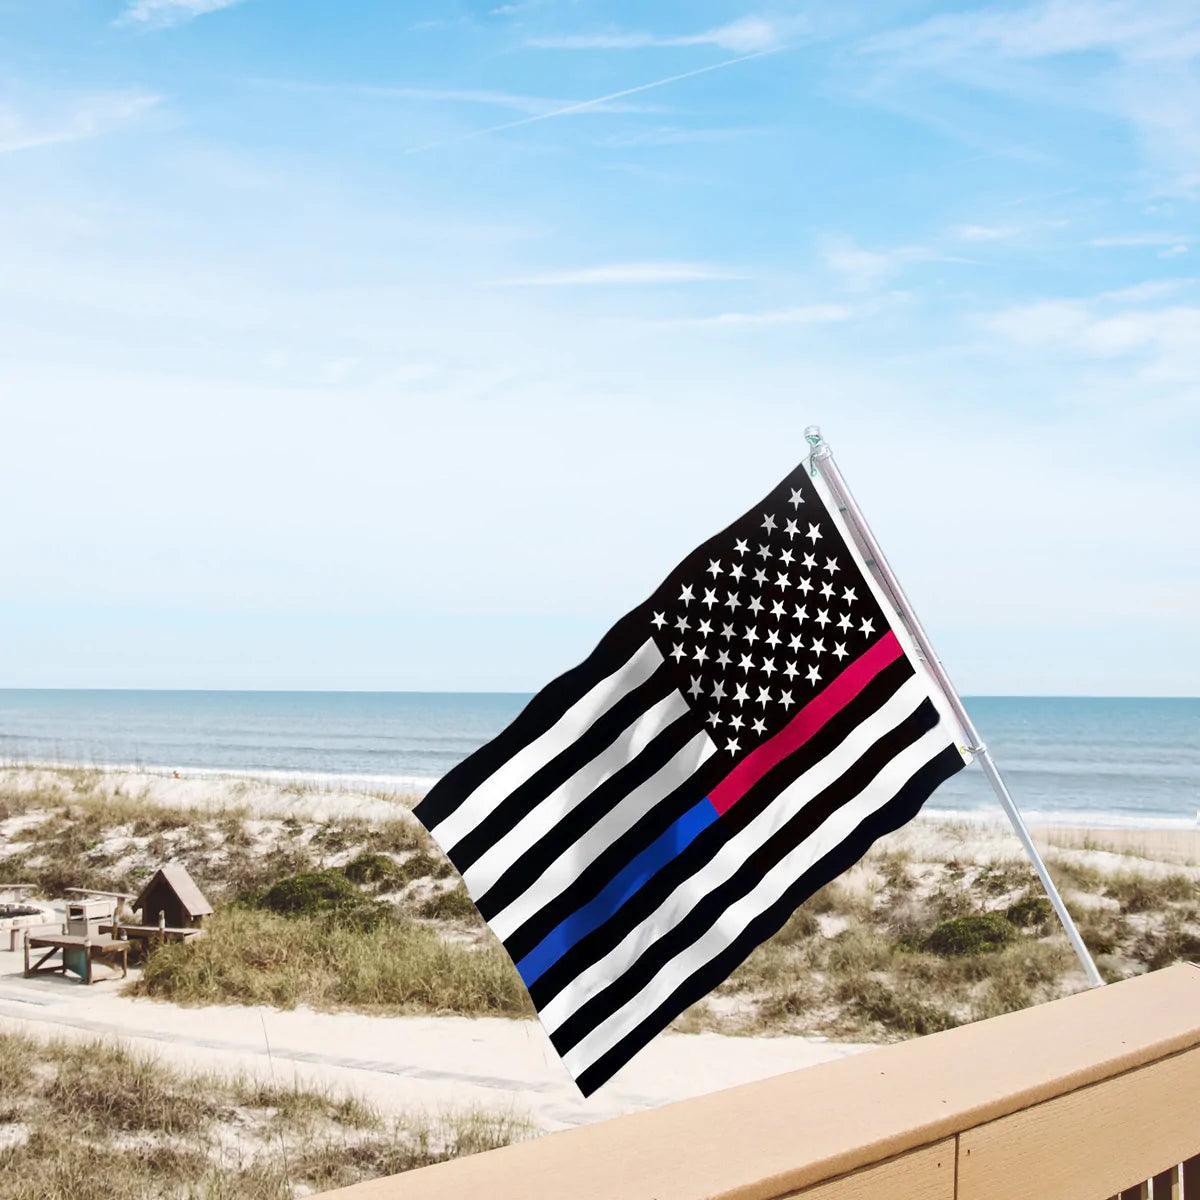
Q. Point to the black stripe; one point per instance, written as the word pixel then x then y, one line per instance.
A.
pixel 614 649
pixel 593 741
pixel 600 941
pixel 850 784
pixel 897 812
pixel 599 872
pixel 525 872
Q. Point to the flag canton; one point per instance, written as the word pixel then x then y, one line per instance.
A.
pixel 761 618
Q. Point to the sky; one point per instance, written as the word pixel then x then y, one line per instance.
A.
pixel 406 346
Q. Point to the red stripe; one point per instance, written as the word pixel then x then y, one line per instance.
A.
pixel 805 723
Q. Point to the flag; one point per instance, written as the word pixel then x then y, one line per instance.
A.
pixel 729 747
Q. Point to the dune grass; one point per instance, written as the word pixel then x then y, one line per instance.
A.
pixel 256 957
pixel 93 1121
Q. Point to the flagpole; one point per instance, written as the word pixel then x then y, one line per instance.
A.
pixel 822 460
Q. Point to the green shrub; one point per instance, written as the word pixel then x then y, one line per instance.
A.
pixel 1030 912
pixel 309 894
pixel 978 934
pixel 453 904
pixel 371 867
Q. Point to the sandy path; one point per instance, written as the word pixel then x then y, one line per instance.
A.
pixel 397 1062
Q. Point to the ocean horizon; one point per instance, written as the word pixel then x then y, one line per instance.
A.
pixel 1072 759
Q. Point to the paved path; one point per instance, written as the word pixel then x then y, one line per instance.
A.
pixel 397 1063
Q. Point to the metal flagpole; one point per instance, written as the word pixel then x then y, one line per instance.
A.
pixel 822 460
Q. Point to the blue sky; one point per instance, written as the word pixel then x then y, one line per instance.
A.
pixel 392 345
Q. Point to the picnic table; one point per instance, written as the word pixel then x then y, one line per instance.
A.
pixel 87 950
pixel 150 933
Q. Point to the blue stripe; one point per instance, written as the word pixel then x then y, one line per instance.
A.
pixel 672 841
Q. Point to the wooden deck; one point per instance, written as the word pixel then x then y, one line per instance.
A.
pixel 1081 1099
pixel 110 952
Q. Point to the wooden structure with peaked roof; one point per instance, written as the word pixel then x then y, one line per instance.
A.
pixel 172 899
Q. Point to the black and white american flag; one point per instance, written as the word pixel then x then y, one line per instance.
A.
pixel 729 747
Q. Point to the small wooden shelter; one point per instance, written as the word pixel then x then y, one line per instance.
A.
pixel 171 898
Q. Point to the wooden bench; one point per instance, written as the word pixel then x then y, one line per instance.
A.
pixel 110 952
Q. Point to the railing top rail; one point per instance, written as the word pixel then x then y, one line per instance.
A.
pixel 767 1139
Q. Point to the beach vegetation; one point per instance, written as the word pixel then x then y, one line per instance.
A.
pixel 979 933
pixel 96 1121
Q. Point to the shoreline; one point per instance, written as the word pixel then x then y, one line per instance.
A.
pixel 411 787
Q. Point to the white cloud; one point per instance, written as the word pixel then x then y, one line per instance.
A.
pixel 739 37
pixel 635 273
pixel 984 233
pixel 159 13
pixel 70 120
pixel 1140 293
pixel 517 101
pixel 1142 68
pixel 1163 344
pixel 863 270
pixel 804 314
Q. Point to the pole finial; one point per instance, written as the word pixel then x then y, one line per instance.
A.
pixel 818 449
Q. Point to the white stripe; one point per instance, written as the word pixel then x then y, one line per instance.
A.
pixel 839 826
pixel 530 759
pixel 555 808
pixel 732 855
pixel 619 820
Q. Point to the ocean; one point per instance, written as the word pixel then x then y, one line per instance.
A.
pixel 1118 761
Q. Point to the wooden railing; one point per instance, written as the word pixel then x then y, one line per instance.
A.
pixel 1089 1097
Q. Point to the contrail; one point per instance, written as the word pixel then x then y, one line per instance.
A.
pixel 581 105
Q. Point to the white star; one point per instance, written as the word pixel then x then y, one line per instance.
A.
pixel 827 590
pixel 714 719
pixel 813 674
pixel 868 626
pixel 831 565
pixel 772 639
pixel 732 745
pixel 737 571
pixel 823 618
pixel 758 725
pixel 714 567
pixel 740 546
pixel 723 658
pixel 808 562
pixel 849 595
pixel 741 695
pixel 694 690
pixel 700 654
pixel 840 650
pixel 755 605
pixel 746 663
pixel 718 692
pixel 763 696
pixel 790 670
pixel 704 628
pixel 786 557
pixel 796 499
pixel 769 667
pixel 677 653
pixel 768 523
pixel 751 635
pixel 736 722
pixel 818 646
pixel 796 641
pixel 683 624
pixel 710 598
pixel 785 698
pixel 782 581
pixel 686 597
pixel 805 586
pixel 814 532
pixel 791 529
pixel 760 576
pixel 732 600
pixel 777 609
pixel 727 632
pixel 800 613
pixel 658 620
pixel 763 552
pixel 844 622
